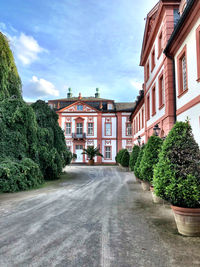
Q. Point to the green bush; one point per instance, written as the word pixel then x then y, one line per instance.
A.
pixel 125 158
pixel 120 154
pixel 177 174
pixel 133 157
pixel 150 158
pixel 19 175
pixel 138 161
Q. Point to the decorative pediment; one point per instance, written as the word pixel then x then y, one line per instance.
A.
pixel 79 107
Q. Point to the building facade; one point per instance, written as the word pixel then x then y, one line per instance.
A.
pixel 94 121
pixel 171 60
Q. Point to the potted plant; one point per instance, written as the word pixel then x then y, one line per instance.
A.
pixel 177 178
pixel 137 165
pixel 133 157
pixel 92 152
pixel 149 160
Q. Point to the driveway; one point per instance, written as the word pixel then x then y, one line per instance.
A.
pixel 98 216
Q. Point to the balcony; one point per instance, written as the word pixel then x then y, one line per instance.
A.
pixel 77 136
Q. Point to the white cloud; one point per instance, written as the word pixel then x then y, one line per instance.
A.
pixel 39 88
pixel 136 84
pixel 2 26
pixel 26 48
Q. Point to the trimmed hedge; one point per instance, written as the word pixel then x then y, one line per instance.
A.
pixel 119 155
pixel 177 174
pixel 138 161
pixel 133 157
pixel 150 158
pixel 125 158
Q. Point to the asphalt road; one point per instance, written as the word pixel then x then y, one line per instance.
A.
pixel 98 217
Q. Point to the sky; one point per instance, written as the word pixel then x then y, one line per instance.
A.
pixel 82 44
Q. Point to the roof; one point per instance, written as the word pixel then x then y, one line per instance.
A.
pixel 140 97
pixel 179 24
pixel 124 106
pixel 90 98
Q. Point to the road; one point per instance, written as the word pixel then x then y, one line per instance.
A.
pixel 99 216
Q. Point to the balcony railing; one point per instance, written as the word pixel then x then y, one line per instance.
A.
pixel 78 136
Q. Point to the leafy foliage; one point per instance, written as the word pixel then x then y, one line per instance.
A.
pixel 138 161
pixel 119 155
pixel 52 150
pixel 150 158
pixel 133 157
pixel 125 158
pixel 92 152
pixel 177 174
pixel 10 82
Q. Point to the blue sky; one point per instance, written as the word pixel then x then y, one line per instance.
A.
pixel 82 44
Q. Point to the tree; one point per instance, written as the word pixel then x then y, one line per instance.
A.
pixel 177 174
pixel 137 164
pixel 133 157
pixel 125 158
pixel 150 158
pixel 10 82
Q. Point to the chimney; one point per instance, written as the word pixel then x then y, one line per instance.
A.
pixel 69 94
pixel 80 96
pixel 97 94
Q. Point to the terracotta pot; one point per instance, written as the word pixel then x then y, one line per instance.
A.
pixel 187 220
pixel 91 162
pixel 145 185
pixel 155 198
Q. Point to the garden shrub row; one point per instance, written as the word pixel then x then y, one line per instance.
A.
pixel 32 145
pixel 123 157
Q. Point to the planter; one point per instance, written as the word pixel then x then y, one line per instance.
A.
pixel 187 220
pixel 155 198
pixel 91 162
pixel 145 185
pixel 138 180
pixel 126 169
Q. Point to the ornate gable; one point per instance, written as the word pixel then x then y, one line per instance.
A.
pixel 79 106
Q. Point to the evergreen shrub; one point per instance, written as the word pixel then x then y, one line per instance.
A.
pixel 138 161
pixel 177 174
pixel 120 154
pixel 133 157
pixel 125 158
pixel 150 158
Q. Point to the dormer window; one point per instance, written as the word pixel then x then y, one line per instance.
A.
pixel 79 107
pixel 182 7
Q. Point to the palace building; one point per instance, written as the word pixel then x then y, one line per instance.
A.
pixel 171 59
pixel 94 121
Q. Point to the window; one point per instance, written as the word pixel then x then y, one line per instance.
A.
pixel 80 107
pixel 134 128
pixel 139 122
pixel 182 72
pixel 160 44
pixel 153 100
pixel 79 147
pixel 107 152
pixel 147 72
pixel 198 52
pixel 128 129
pixel 148 108
pixel 136 124
pixel 142 118
pixel 161 91
pixel 68 128
pixel 69 148
pixel 152 59
pixel 108 128
pixel 79 128
pixel 90 128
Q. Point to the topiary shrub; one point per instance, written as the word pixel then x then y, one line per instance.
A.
pixel 150 158
pixel 125 158
pixel 138 161
pixel 119 155
pixel 133 157
pixel 177 174
pixel 19 175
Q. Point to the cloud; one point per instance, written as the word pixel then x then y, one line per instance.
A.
pixel 2 26
pixel 26 48
pixel 136 84
pixel 39 88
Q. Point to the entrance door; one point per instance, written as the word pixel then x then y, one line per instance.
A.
pixel 79 150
